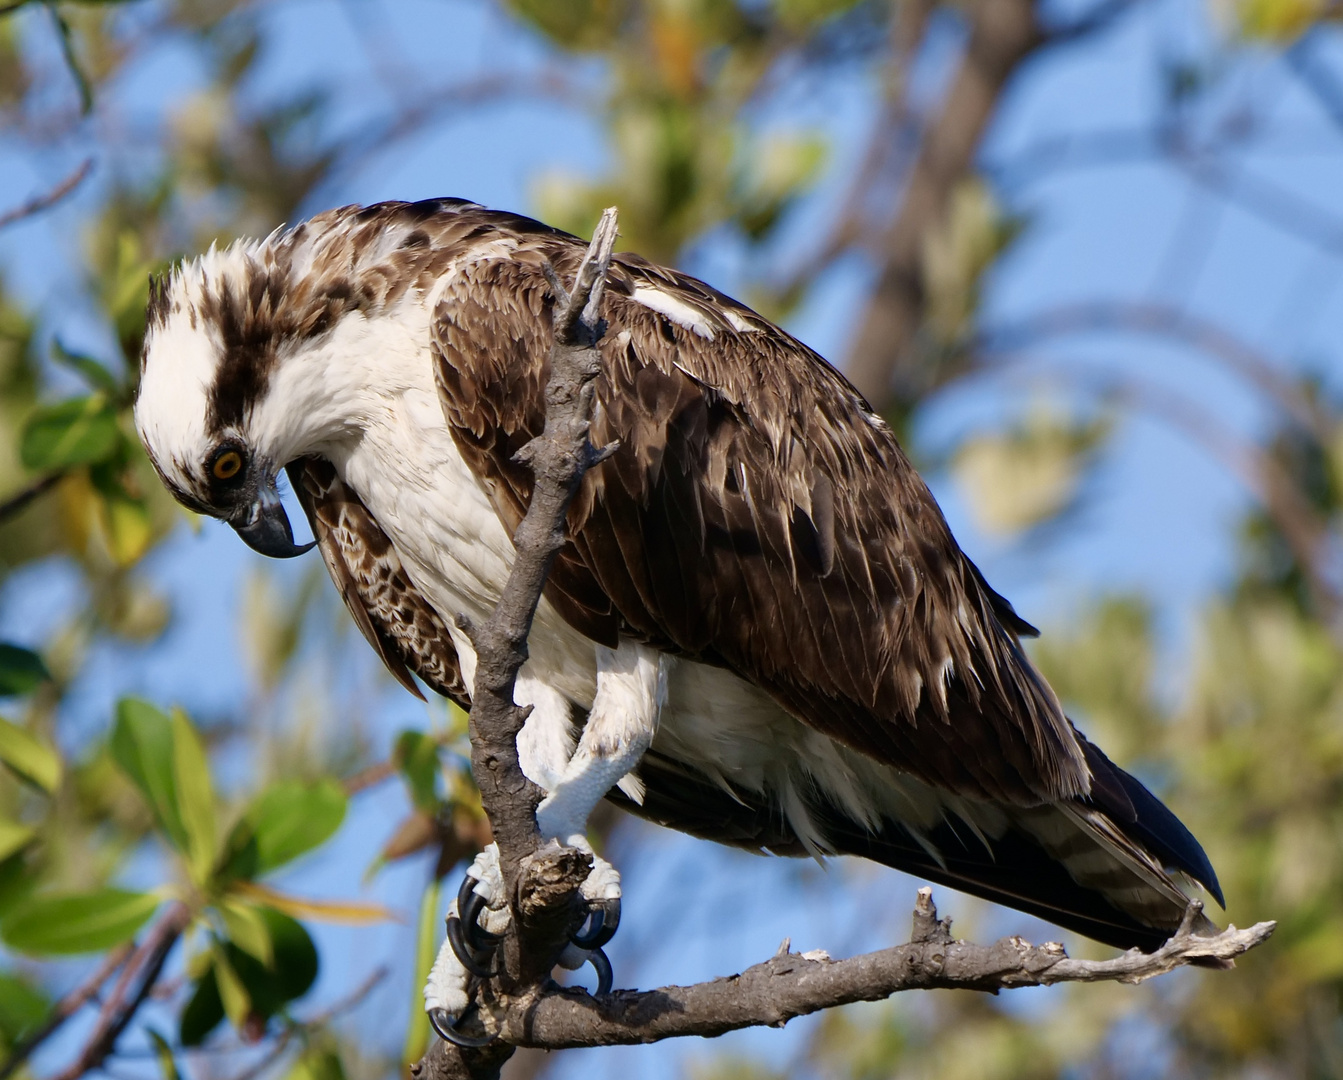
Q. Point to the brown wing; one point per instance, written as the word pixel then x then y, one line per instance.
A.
pixel 398 622
pixel 757 516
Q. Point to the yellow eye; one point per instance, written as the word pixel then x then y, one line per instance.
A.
pixel 227 465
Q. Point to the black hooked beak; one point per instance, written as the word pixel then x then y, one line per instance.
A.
pixel 264 526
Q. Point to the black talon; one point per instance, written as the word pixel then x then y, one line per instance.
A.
pixel 440 1021
pixel 602 966
pixel 469 957
pixel 470 905
pixel 600 926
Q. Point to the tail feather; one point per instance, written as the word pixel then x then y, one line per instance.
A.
pixel 1096 867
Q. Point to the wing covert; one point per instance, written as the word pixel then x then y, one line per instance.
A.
pixel 757 516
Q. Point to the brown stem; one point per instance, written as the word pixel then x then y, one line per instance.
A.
pixel 19 501
pixel 1002 34
pixel 38 203
pixel 145 965
pixel 70 1004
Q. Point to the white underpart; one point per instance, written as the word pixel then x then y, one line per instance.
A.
pixel 677 310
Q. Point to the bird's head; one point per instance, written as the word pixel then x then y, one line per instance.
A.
pixel 270 350
pixel 222 404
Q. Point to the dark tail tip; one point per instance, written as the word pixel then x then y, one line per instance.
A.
pixel 1147 820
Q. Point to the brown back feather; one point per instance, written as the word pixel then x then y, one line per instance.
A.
pixel 757 516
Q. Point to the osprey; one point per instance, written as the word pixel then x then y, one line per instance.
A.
pixel 761 630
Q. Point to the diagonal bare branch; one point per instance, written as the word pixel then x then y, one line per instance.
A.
pixel 38 203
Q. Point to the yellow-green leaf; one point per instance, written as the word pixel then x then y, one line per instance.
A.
pixel 127 528
pixel 247 929
pixel 195 797
pixel 56 925
pixel 426 940
pixel 232 992
pixel 33 760
pixel 14 837
pixel 335 911
pixel 164 1053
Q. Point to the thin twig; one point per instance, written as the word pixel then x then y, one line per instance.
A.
pixel 67 41
pixel 70 1004
pixel 121 1007
pixel 1162 320
pixel 19 501
pixel 38 203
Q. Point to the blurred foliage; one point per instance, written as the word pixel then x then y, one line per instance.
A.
pixel 105 831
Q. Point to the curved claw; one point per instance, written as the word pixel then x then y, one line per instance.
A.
pixel 465 954
pixel 441 1022
pixel 600 926
pixel 602 966
pixel 470 905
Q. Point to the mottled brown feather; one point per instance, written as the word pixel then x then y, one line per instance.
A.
pixel 404 630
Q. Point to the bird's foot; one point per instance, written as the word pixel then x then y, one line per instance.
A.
pixel 477 921
pixel 601 895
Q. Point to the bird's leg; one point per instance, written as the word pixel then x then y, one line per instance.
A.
pixel 631 689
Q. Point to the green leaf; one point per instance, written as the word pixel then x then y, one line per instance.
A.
pixel 142 744
pixel 320 1065
pixel 195 797
pixel 36 762
pixel 17 882
pixel 204 1012
pixel 58 925
pixel 268 989
pixel 247 928
pixel 426 940
pixel 14 838
pixel 285 821
pixel 22 1008
pixel 236 1000
pixel 164 1053
pixel 21 670
pixel 75 432
pixel 417 758
pixel 94 373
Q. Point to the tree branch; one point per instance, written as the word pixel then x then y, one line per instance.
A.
pixel 789 985
pixel 542 884
pixel 145 964
pixel 521 1005
pixel 38 203
pixel 1003 33
pixel 70 1004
